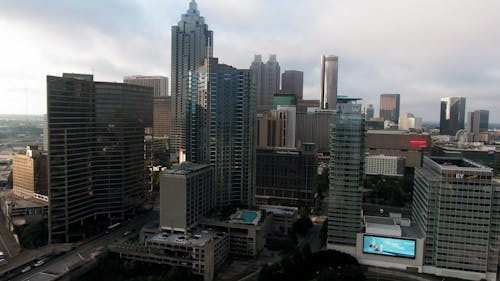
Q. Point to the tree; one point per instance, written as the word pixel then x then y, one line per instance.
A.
pixel 302 226
pixel 323 233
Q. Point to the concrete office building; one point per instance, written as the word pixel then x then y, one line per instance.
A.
pixel 187 193
pixel 303 105
pixel 162 117
pixel 346 171
pixel 452 117
pixel 282 219
pixel 192 42
pixel 292 82
pixel 221 131
pixel 266 79
pixel 96 152
pixel 409 122
pixel 456 204
pixel 385 165
pixel 411 146
pixel 329 78
pixel 158 83
pixel 314 127
pixel 29 173
pixel 389 107
pixel 286 176
pixel 276 128
pixel 477 123
pixel 284 100
pixel 369 112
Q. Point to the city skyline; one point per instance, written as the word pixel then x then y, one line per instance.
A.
pixel 423 60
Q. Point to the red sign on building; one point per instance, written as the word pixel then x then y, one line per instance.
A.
pixel 418 142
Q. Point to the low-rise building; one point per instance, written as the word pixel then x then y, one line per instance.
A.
pixel 384 165
pixel 282 218
pixel 19 211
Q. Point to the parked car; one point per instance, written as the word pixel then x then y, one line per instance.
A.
pixel 39 263
pixel 26 269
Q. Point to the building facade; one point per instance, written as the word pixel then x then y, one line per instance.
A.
pixel 266 80
pixel 369 112
pixel 192 42
pixel 389 107
pixel 96 152
pixel 346 170
pixel 385 165
pixel 292 82
pixel 158 83
pixel 455 203
pixel 329 78
pixel 314 127
pixel 221 118
pixel 286 176
pixel 477 123
pixel 29 172
pixel 277 128
pixel 409 122
pixel 452 116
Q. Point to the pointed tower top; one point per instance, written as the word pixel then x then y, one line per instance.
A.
pixel 193 5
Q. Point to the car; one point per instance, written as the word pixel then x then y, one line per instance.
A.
pixel 126 233
pixel 38 263
pixel 26 269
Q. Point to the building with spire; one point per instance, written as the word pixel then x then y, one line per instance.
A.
pixel 266 79
pixel 192 42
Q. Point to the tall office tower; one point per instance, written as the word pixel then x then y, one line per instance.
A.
pixel 29 172
pixel 452 117
pixel 408 122
pixel 96 152
pixel 221 129
pixel 389 107
pixel 456 204
pixel 266 81
pixel 158 83
pixel 369 112
pixel 329 80
pixel 313 126
pixel 477 122
pixel 292 82
pixel 161 117
pixel 347 150
pixel 192 42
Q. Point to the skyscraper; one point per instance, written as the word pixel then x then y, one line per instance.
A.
pixel 456 205
pixel 192 42
pixel 221 129
pixel 292 82
pixel 369 112
pixel 96 152
pixel 452 116
pixel 477 122
pixel 389 107
pixel 346 168
pixel 329 77
pixel 266 80
pixel 158 83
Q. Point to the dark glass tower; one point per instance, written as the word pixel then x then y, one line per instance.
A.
pixel 221 132
pixel 452 116
pixel 96 152
pixel 192 42
pixel 389 107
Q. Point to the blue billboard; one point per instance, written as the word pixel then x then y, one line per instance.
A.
pixel 396 247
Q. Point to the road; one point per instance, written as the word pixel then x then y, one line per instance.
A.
pixel 53 269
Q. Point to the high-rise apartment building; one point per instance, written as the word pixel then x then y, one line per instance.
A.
pixel 389 107
pixel 477 123
pixel 266 80
pixel 408 122
pixel 329 80
pixel 313 126
pixel 452 117
pixel 192 42
pixel 158 83
pixel 29 172
pixel 346 168
pixel 277 128
pixel 221 131
pixel 292 82
pixel 162 117
pixel 456 204
pixel 369 112
pixel 96 152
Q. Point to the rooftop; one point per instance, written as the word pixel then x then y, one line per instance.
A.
pixel 279 210
pixel 8 195
pixel 245 217
pixel 199 238
pixel 385 225
pixel 186 168
pixel 457 163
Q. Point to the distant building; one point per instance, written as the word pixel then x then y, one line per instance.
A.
pixel 410 146
pixel 284 100
pixel 158 83
pixel 286 176
pixel 303 105
pixel 192 42
pixel 329 80
pixel 187 193
pixel 162 117
pixel 452 117
pixel 409 122
pixel 456 204
pixel 369 112
pixel 477 123
pixel 389 107
pixel 385 165
pixel 29 172
pixel 266 80
pixel 276 128
pixel 96 152
pixel 314 127
pixel 346 172
pixel 292 82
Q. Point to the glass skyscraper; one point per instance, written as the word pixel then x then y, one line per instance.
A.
pixel 329 78
pixel 452 116
pixel 192 42
pixel 346 168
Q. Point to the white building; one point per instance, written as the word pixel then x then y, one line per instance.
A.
pixel 408 121
pixel 384 165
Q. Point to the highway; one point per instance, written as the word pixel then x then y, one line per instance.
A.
pixel 54 268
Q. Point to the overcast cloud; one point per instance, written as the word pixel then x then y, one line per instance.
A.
pixel 423 50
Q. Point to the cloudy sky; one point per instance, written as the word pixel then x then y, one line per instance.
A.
pixel 422 49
